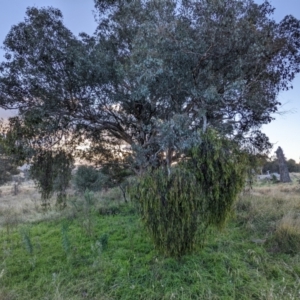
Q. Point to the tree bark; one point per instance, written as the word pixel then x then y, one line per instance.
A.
pixel 283 170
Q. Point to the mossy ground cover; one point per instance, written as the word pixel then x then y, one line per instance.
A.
pixel 113 258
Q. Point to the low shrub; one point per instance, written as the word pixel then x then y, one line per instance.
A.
pixel 220 168
pixel 199 192
pixel 109 210
pixel 89 178
pixel 171 209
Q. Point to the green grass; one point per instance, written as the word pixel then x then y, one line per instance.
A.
pixel 114 259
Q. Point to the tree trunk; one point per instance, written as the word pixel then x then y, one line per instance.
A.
pixel 283 170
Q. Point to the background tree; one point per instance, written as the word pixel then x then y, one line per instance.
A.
pixel 89 178
pixel 271 165
pixel 8 166
pixel 151 67
pixel 293 166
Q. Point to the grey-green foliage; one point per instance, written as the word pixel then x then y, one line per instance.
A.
pixel 217 63
pixel 89 178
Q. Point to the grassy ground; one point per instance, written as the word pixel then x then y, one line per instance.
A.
pixel 97 249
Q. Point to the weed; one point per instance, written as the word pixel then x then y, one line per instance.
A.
pixel 25 235
pixel 65 238
pixel 104 241
pixel 88 206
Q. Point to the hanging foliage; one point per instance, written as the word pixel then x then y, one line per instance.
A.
pixel 52 173
pixel 220 168
pixel 171 208
pixel 63 165
pixel 178 207
pixel 42 172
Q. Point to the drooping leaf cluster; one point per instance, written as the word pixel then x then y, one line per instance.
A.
pixel 171 208
pixel 51 172
pixel 177 208
pixel 50 168
pixel 220 168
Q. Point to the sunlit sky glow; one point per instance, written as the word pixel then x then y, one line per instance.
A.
pixel 284 131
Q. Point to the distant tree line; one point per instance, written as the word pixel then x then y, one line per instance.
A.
pixel 272 166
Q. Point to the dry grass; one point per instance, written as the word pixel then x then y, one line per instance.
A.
pixel 23 207
pixel 287 234
pixel 7 296
pixel 26 205
pixel 272 213
pixel 276 199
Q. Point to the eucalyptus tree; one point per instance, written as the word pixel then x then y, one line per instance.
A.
pixel 154 76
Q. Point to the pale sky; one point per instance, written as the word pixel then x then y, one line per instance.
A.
pixel 79 17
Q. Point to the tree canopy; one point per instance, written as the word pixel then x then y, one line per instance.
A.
pixel 153 77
